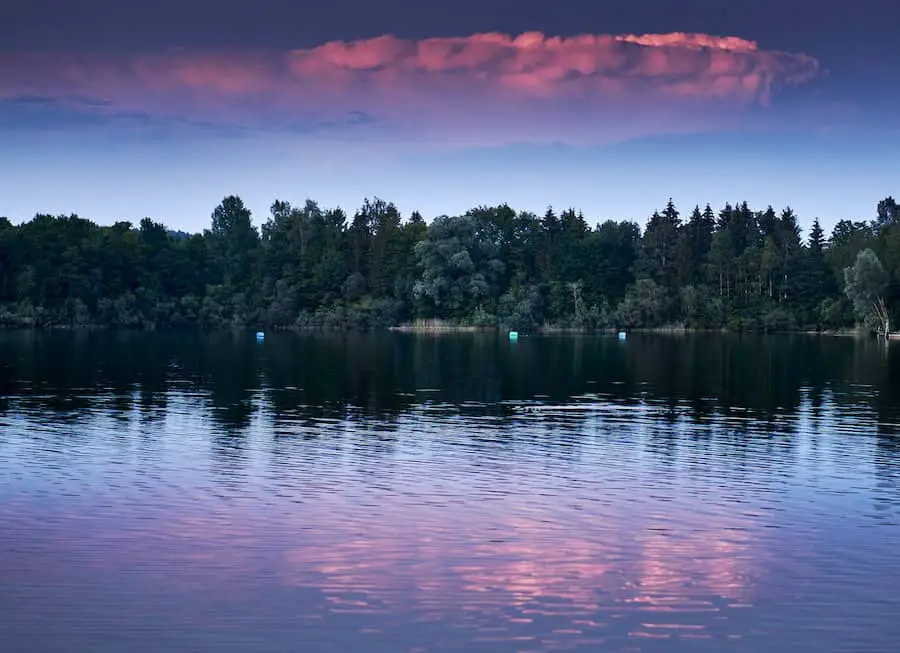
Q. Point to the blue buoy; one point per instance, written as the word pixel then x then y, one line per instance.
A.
pixel 260 336
pixel 513 335
pixel 622 335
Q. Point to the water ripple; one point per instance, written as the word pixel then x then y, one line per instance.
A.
pixel 196 518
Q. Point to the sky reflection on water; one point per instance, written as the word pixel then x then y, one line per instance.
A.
pixel 155 501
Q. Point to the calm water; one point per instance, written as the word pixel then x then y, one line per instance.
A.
pixel 404 494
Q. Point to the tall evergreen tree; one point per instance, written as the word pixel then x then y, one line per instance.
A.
pixel 658 259
pixel 233 239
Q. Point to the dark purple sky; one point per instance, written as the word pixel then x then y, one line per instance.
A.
pixel 104 103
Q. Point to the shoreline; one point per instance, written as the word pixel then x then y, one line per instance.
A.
pixel 449 328
pixel 439 328
pixel 664 330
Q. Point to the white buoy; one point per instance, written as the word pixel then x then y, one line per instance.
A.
pixel 260 336
pixel 622 335
pixel 513 335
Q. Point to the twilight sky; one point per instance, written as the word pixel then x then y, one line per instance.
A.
pixel 119 110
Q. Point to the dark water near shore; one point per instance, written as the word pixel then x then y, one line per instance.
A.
pixel 401 493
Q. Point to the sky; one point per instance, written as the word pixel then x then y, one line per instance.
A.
pixel 117 110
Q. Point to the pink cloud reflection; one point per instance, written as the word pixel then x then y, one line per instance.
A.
pixel 505 566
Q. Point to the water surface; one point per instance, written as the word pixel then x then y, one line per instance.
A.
pixel 401 493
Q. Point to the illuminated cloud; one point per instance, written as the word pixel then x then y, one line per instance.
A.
pixel 475 86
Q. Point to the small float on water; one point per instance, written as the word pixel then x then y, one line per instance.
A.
pixel 260 336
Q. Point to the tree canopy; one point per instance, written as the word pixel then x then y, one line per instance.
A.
pixel 308 266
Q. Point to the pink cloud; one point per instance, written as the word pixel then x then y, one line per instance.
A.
pixel 483 81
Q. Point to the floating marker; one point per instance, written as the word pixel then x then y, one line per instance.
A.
pixel 513 335
pixel 622 335
pixel 260 336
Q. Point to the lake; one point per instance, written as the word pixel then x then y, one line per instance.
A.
pixel 398 493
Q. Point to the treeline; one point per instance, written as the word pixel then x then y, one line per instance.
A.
pixel 312 267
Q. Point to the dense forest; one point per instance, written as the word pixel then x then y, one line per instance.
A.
pixel 737 268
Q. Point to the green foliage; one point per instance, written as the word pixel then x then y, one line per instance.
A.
pixel 865 285
pixel 645 305
pixel 460 265
pixel 309 267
